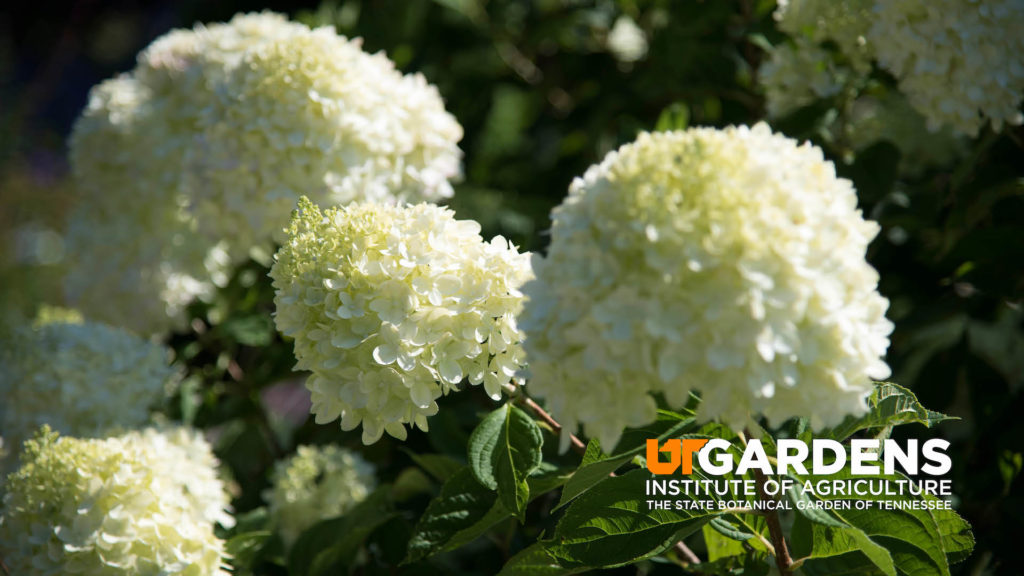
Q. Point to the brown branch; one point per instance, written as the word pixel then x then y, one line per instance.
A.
pixel 576 443
pixel 684 551
pixel 518 394
pixel 782 558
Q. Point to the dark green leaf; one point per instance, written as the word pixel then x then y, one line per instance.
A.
pixel 242 548
pixel 535 561
pixel 503 450
pixel 720 546
pixel 462 511
pixel 332 544
pixel 439 466
pixel 610 525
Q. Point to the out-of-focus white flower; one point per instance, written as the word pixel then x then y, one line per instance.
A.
pixel 844 22
pixel 391 307
pixel 134 259
pixel 958 61
pixel 103 507
pixel 317 483
pixel 798 74
pixel 729 262
pixel 889 117
pixel 85 379
pixel 627 41
pixel 195 157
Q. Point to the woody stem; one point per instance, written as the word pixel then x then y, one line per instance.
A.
pixel 782 558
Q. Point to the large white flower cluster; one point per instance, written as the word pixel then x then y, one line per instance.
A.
pixel 84 379
pixel 317 483
pixel 187 163
pixel 391 307
pixel 958 61
pixel 103 507
pixel 727 262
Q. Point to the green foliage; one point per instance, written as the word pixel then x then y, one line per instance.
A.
pixel 597 467
pixel 610 525
pixel 330 546
pixel 503 451
pixel 464 510
pixel 889 405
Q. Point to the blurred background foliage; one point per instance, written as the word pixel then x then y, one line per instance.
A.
pixel 545 88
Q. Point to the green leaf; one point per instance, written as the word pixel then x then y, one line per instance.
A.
pixel 889 405
pixel 547 478
pixel 745 565
pixel 820 544
pixel 503 450
pixel 956 534
pixel 918 541
pixel 675 117
pixel 535 561
pixel 610 525
pixel 256 330
pixel 332 544
pixel 242 548
pixel 462 511
pixel 596 468
pixel 439 466
pixel 720 546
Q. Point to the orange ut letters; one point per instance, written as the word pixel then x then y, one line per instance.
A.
pixel 679 451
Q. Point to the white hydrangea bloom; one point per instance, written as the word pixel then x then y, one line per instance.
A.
pixel 102 507
pixel 85 379
pixel 134 259
pixel 729 262
pixel 391 307
pixel 958 61
pixel 798 74
pixel 890 117
pixel 183 456
pixel 317 483
pixel 195 157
